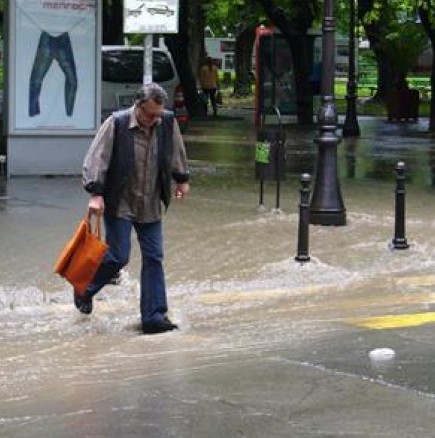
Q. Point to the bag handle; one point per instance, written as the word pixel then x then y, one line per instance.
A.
pixel 97 228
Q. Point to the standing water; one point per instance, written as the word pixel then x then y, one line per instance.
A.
pixel 234 287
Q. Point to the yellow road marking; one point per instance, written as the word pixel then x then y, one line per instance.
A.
pixel 394 321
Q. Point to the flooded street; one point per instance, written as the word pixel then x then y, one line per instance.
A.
pixel 267 346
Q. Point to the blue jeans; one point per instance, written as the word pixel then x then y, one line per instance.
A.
pixel 52 48
pixel 153 303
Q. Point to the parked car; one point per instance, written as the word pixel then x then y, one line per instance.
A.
pixel 160 9
pixel 135 12
pixel 122 75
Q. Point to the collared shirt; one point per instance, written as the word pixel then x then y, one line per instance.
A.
pixel 140 200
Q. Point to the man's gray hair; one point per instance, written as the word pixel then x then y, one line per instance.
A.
pixel 151 91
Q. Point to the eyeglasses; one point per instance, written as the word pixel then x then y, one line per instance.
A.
pixel 150 114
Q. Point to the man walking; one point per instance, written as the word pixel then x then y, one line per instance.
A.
pixel 209 80
pixel 128 171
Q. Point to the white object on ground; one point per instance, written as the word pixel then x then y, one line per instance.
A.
pixel 382 354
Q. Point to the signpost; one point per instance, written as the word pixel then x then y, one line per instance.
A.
pixel 149 17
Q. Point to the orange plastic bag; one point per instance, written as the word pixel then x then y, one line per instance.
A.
pixel 82 255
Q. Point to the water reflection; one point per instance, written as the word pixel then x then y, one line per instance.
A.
pixel 431 161
pixel 350 145
pixel 3 188
pixel 3 192
pixel 374 155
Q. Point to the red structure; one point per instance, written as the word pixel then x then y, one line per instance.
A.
pixel 275 85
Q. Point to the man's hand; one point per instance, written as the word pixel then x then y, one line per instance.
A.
pixel 181 190
pixel 96 205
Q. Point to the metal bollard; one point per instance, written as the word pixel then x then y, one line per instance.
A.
pixel 279 166
pixel 304 219
pixel 399 241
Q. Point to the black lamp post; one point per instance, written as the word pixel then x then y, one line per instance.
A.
pixel 327 207
pixel 351 127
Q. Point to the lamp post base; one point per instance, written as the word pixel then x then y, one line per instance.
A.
pixel 336 218
pixel 400 243
pixel 327 207
pixel 302 258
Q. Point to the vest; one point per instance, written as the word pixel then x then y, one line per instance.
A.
pixel 122 160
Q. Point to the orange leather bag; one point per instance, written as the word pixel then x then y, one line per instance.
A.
pixel 82 255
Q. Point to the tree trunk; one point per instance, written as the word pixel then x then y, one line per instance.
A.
pixel 178 45
pixel 299 45
pixel 385 75
pixel 388 76
pixel 302 51
pixel 430 31
pixel 243 61
pixel 196 36
pixel 112 22
pixel 372 32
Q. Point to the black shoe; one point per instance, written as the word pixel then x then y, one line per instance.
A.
pixel 83 303
pixel 167 320
pixel 165 325
pixel 116 279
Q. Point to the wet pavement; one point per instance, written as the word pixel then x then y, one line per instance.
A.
pixel 267 346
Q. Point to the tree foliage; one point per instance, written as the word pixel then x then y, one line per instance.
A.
pixel 238 19
pixel 112 22
pixel 395 37
pixel 226 17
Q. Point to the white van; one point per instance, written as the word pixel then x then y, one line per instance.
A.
pixel 122 75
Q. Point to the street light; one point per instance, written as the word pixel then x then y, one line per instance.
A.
pixel 351 127
pixel 327 207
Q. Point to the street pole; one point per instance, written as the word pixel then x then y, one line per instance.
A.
pixel 147 59
pixel 327 207
pixel 351 127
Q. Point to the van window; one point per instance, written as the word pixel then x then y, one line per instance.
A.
pixel 127 66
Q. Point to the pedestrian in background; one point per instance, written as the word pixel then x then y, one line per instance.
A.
pixel 209 80
pixel 128 171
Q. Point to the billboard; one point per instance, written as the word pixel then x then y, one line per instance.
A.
pixel 53 85
pixel 150 17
